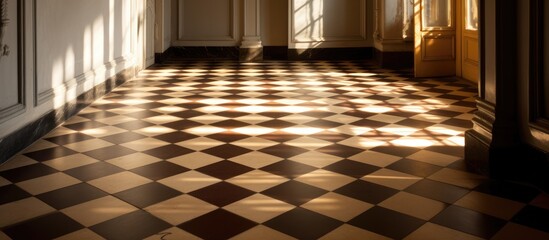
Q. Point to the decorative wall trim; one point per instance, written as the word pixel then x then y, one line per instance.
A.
pixel 19 107
pixel 25 136
pixel 4 21
pixel 225 40
pixel 329 41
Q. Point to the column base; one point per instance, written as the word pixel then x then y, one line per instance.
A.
pixel 251 54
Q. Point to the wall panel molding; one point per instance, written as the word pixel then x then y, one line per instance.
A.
pixel 311 25
pixel 223 32
pixel 19 106
pixel 539 99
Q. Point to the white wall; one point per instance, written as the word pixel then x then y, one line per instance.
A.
pixel 77 45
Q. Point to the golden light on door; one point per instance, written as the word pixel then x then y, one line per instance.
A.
pixel 435 38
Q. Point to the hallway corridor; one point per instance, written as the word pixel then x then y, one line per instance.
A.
pixel 270 150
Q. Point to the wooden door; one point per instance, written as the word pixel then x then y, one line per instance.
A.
pixel 469 40
pixel 435 38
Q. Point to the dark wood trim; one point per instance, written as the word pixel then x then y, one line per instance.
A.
pixel 539 118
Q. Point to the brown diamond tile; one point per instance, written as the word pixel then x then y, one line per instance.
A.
pixel 45 227
pixel 93 171
pixel 366 191
pixel 50 153
pixel 226 151
pixel 295 193
pixel 69 138
pixel 340 150
pixel 124 137
pixel 303 224
pixel 148 194
pixel 176 137
pixel 283 150
pixel 288 169
pixel 169 151
pixel 352 168
pixel 141 223
pixel 27 172
pixel 225 223
pixel 159 170
pixel 469 221
pixel 71 195
pixel 85 125
pixel 182 124
pixel 221 194
pixel 111 152
pixel 387 222
pixel 224 169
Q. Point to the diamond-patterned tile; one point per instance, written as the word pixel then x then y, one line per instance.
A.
pixel 351 150
pixel 46 227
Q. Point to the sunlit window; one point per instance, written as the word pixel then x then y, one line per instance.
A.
pixel 437 14
pixel 471 15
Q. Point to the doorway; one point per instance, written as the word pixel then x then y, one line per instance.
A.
pixel 446 38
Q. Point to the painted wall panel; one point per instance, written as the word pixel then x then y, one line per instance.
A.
pixel 274 22
pixel 10 77
pixel 329 23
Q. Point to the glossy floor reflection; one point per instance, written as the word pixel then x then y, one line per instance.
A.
pixel 272 150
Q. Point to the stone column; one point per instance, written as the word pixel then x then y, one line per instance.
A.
pixel 393 38
pixel 251 48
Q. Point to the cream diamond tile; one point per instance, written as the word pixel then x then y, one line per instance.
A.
pixel 47 183
pixel 115 120
pixel 259 208
pixel 205 130
pixel 439 159
pixel 316 159
pixel 59 131
pixel 134 101
pixel 126 110
pixel 119 182
pixel 252 101
pixel 308 143
pixel 162 119
pixel 362 142
pixel 302 130
pixel 174 101
pixel 253 119
pixel 491 205
pixel 262 232
pixel 253 130
pixel 133 160
pixel 325 179
pixel 154 131
pixel 76 119
pixel 414 141
pixel 337 206
pixel 90 109
pixel 375 158
pixel 392 179
pixel 81 234
pixel 39 145
pixel 254 143
pixel 431 231
pixel 414 205
pixel 69 162
pixel 442 129
pixel 256 159
pixel 103 131
pixel 214 101
pixel 189 181
pixel 171 109
pixel 88 145
pixel 297 118
pixel 351 130
pixel 195 160
pixel 200 143
pixel 430 118
pixel 257 180
pixel 174 233
pixel 348 232
pixel 23 210
pixel 16 162
pixel 98 210
pixel 180 209
pixel 398 129
pixel 145 144
pixel 341 118
pixel 459 178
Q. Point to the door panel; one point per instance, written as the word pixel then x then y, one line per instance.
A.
pixel 469 48
pixel 435 38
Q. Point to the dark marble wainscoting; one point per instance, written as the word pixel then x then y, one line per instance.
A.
pixel 331 54
pixel 25 136
pixel 394 59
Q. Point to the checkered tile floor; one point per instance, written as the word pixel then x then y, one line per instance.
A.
pixel 273 150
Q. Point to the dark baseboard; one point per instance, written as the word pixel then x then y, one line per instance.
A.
pixel 394 59
pixel 265 53
pixel 25 136
pixel 331 54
